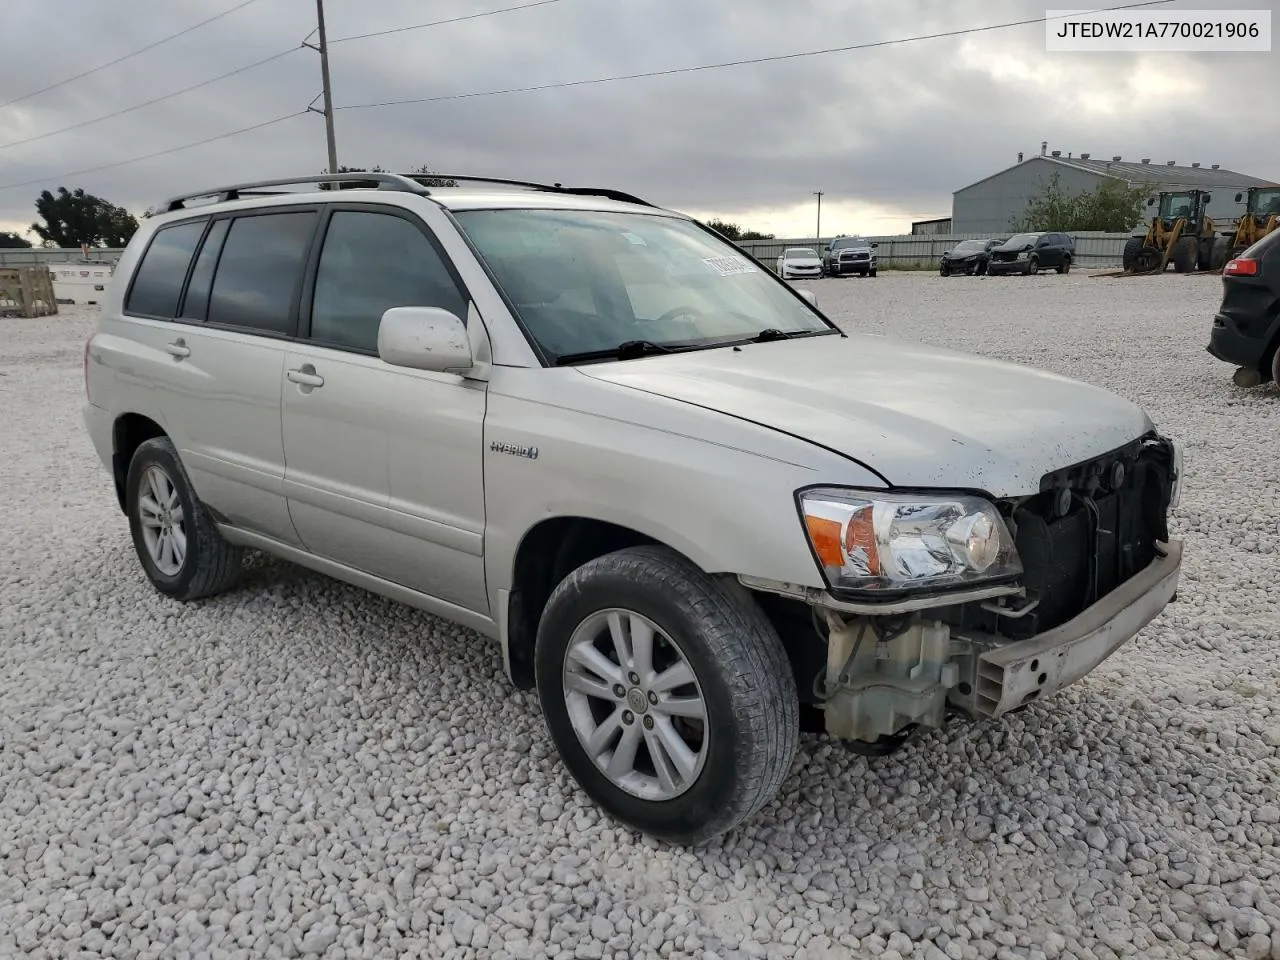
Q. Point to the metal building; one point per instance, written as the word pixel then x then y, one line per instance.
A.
pixel 992 204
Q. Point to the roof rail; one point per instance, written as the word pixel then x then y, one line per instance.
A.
pixel 605 192
pixel 385 181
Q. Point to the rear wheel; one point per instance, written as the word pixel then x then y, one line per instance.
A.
pixel 180 549
pixel 1184 255
pixel 1066 265
pixel 667 693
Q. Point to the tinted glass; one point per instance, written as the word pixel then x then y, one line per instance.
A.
pixel 158 282
pixel 370 263
pixel 262 260
pixel 197 300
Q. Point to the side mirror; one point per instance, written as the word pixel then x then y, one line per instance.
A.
pixel 1208 197
pixel 1151 201
pixel 810 296
pixel 826 248
pixel 1239 197
pixel 875 246
pixel 424 338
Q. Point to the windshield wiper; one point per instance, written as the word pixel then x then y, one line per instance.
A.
pixel 627 350
pixel 772 333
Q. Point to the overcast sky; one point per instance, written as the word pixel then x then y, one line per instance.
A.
pixel 886 133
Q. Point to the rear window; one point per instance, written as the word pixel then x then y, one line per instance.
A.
pixel 159 278
pixel 259 271
pixel 1268 245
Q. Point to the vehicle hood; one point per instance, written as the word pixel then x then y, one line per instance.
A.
pixel 864 249
pixel 802 261
pixel 963 254
pixel 919 416
pixel 1014 248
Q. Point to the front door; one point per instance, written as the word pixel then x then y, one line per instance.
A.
pixel 383 465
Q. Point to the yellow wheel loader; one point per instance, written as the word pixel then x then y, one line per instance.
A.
pixel 1262 215
pixel 1181 233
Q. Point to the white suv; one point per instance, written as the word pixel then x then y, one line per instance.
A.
pixel 697 516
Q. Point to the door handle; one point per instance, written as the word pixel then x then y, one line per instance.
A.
pixel 178 349
pixel 306 376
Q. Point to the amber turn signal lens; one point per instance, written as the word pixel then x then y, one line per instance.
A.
pixel 824 534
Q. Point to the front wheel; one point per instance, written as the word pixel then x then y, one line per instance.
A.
pixel 1033 266
pixel 667 693
pixel 872 272
pixel 180 549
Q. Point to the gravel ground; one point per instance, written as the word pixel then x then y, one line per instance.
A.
pixel 301 769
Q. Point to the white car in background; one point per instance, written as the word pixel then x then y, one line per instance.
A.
pixel 799 262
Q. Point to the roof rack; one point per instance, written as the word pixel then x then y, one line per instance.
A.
pixel 605 192
pixel 403 182
pixel 385 181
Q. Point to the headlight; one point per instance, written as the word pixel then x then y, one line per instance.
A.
pixel 1022 254
pixel 879 542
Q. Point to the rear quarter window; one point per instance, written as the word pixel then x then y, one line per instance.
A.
pixel 158 281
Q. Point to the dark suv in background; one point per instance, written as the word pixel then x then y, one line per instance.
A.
pixel 1033 252
pixel 1246 328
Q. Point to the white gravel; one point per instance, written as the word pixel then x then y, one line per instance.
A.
pixel 302 769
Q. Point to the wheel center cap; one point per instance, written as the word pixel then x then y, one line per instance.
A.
pixel 637 701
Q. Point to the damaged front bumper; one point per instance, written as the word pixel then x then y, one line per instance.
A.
pixel 879 684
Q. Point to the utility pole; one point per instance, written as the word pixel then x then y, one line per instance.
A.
pixel 327 112
pixel 818 194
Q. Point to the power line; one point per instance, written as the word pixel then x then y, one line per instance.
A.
pixel 438 23
pixel 247 67
pixel 150 46
pixel 730 63
pixel 158 153
pixel 147 103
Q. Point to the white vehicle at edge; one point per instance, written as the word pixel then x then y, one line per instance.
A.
pixel 799 262
pixel 695 515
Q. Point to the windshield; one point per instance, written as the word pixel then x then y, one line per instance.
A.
pixel 589 280
pixel 970 246
pixel 850 242
pixel 1267 201
pixel 1175 205
pixel 799 253
pixel 1022 239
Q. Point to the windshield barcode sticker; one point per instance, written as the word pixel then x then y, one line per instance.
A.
pixel 729 266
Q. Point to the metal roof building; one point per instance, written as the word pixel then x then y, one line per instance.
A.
pixel 991 204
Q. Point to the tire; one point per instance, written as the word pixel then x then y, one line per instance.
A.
pixel 1184 255
pixel 1275 364
pixel 943 271
pixel 982 269
pixel 1066 265
pixel 743 677
pixel 872 273
pixel 208 564
pixel 1218 253
pixel 1132 253
pixel 1033 266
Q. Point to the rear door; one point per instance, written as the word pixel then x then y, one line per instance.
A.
pixel 222 398
pixel 383 464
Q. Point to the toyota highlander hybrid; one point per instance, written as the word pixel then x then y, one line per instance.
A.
pixel 694 514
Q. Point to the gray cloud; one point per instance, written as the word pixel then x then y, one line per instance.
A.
pixel 887 132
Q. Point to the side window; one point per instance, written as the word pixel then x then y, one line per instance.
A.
pixel 370 263
pixel 195 304
pixel 157 284
pixel 262 260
